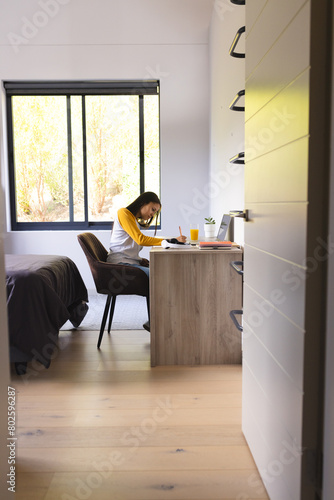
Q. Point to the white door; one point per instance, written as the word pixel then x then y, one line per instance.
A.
pixel 286 182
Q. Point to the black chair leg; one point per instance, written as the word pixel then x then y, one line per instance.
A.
pixel 20 368
pixel 104 319
pixel 112 309
pixel 148 307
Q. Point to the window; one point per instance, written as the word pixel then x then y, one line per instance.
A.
pixel 78 151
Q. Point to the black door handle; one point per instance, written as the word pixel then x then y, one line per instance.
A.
pixel 240 213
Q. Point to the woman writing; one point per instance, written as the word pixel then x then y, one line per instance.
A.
pixel 127 240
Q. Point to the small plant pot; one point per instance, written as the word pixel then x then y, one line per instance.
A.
pixel 210 230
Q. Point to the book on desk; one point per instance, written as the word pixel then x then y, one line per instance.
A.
pixel 219 245
pixel 202 245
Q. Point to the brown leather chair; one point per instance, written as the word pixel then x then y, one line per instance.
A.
pixel 112 279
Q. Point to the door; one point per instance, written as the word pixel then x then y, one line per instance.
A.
pixel 286 192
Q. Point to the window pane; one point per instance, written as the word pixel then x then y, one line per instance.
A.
pixel 77 159
pixel 152 143
pixel 66 170
pixel 40 158
pixel 112 124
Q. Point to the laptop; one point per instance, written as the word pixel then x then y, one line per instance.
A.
pixel 223 228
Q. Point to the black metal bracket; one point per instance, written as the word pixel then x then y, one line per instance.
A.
pixel 235 42
pixel 234 319
pixel 238 159
pixel 235 263
pixel 233 106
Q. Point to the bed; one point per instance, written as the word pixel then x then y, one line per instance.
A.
pixel 43 292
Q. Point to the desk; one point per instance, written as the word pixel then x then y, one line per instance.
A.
pixel 191 294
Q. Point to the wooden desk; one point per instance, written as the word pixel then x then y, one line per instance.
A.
pixel 191 294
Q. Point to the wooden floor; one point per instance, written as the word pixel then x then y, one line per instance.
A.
pixel 104 425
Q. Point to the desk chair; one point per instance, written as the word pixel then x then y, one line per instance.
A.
pixel 112 279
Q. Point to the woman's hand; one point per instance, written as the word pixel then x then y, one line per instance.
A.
pixel 182 239
pixel 145 263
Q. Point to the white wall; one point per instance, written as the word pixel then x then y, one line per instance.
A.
pixel 227 127
pixel 120 39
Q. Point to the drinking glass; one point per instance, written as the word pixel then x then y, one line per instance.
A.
pixel 194 230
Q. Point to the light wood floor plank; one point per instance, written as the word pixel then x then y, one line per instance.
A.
pixel 180 374
pixel 122 353
pixel 136 457
pixel 38 384
pixel 177 436
pixel 105 401
pixel 162 413
pixel 157 485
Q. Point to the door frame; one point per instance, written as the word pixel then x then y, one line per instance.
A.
pixel 317 247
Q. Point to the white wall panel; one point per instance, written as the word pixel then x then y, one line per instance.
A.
pixel 281 175
pixel 254 13
pixel 270 25
pixel 283 120
pixel 268 79
pixel 279 335
pixel 276 279
pixel 281 392
pixel 278 455
pixel 278 228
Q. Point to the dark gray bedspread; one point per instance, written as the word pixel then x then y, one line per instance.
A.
pixel 43 292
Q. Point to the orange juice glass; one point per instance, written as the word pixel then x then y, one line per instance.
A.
pixel 194 229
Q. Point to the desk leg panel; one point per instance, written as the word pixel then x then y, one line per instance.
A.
pixel 191 296
pixel 176 310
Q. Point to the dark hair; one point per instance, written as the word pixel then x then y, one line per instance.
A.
pixel 142 200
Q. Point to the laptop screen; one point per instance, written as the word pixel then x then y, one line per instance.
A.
pixel 223 227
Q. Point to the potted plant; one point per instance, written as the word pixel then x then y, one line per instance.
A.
pixel 209 227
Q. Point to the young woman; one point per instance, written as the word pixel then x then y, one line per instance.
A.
pixel 127 240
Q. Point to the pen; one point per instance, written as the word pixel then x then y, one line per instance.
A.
pixel 180 231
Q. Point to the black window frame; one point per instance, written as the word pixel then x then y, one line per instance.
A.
pixel 68 88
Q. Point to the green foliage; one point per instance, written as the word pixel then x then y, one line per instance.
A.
pixel 209 220
pixel 40 155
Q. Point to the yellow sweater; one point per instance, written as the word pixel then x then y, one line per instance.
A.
pixel 127 240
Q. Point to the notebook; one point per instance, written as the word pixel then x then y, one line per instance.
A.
pixel 209 245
